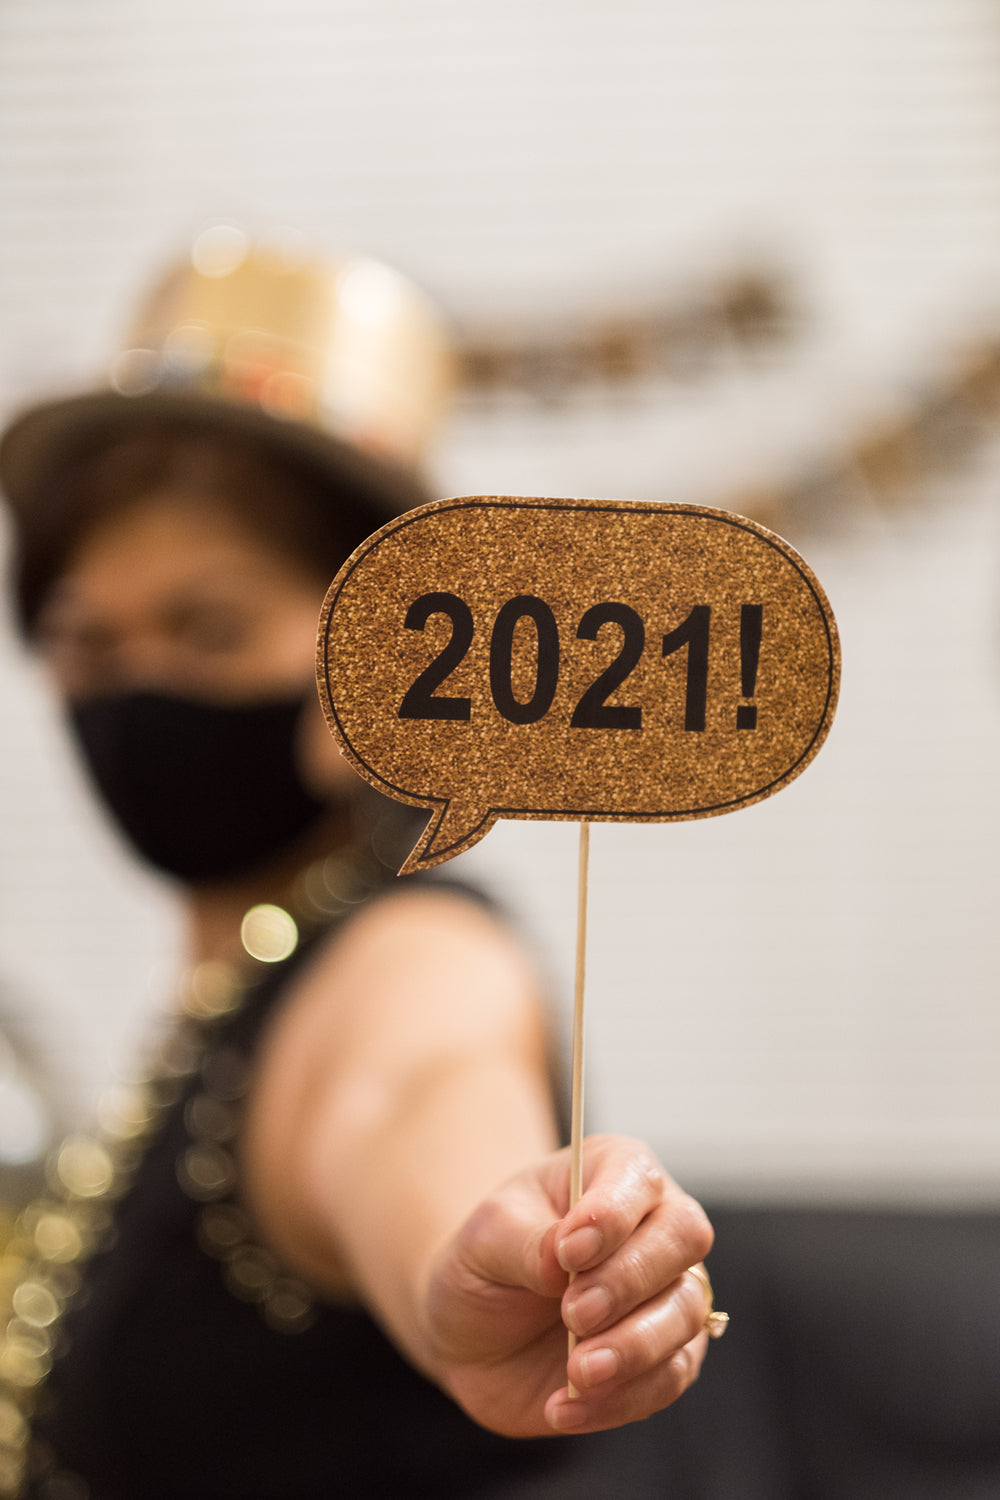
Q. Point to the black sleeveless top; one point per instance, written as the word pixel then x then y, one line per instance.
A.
pixel 169 1385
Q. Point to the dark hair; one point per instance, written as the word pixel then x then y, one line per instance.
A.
pixel 288 498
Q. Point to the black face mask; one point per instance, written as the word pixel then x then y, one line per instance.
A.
pixel 202 790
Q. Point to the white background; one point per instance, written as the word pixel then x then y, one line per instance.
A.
pixel 798 999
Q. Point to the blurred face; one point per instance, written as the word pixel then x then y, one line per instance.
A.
pixel 174 595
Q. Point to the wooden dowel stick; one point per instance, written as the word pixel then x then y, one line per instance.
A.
pixel 576 1124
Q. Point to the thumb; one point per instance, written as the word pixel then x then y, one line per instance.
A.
pixel 497 1285
pixel 510 1241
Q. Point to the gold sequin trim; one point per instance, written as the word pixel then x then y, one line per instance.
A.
pixel 56 1234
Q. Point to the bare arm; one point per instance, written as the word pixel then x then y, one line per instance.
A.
pixel 404 1081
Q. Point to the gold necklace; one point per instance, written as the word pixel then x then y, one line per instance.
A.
pixel 56 1234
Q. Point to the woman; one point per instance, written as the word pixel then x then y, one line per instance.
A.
pixel 348 1151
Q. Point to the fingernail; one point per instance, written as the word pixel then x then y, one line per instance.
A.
pixel 598 1366
pixel 580 1247
pixel 589 1310
pixel 568 1414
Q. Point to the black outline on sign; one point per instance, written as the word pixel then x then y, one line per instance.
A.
pixel 540 814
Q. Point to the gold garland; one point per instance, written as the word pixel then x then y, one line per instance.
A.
pixel 890 455
pixel 882 461
pixel 744 310
pixel 57 1234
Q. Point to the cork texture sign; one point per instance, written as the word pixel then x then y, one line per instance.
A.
pixel 512 657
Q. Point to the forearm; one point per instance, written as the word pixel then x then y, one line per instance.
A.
pixel 399 1144
pixel 406 1176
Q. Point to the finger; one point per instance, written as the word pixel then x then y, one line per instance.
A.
pixel 625 1183
pixel 644 1340
pixel 598 1409
pixel 669 1239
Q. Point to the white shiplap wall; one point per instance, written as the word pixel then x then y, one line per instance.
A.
pixel 800 997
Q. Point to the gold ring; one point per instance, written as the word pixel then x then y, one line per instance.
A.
pixel 715 1323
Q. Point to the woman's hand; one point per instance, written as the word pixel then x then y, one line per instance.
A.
pixel 500 1299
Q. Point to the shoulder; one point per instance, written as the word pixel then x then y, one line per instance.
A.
pixel 419 977
pixel 426 923
pixel 419 955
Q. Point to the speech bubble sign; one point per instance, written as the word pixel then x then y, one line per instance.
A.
pixel 513 657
